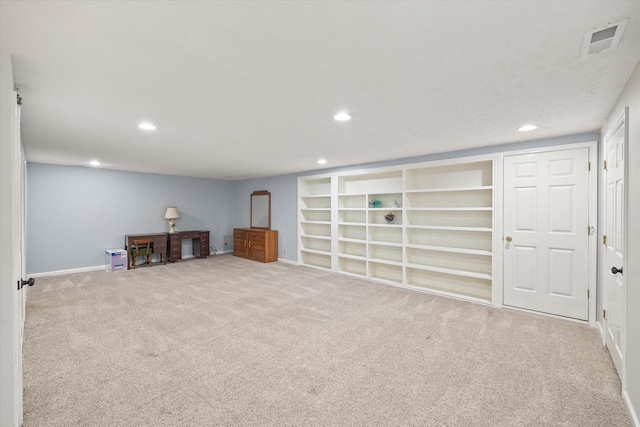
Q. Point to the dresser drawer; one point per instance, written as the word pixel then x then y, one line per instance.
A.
pixel 175 255
pixel 257 255
pixel 257 246
pixel 257 237
pixel 239 234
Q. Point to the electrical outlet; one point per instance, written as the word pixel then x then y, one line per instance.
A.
pixel 284 252
pixel 225 243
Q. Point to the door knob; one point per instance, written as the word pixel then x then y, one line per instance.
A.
pixel 23 282
pixel 509 238
pixel 615 270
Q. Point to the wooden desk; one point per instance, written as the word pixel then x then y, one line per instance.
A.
pixel 200 244
pixel 159 241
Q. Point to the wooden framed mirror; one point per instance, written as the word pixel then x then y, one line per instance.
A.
pixel 261 209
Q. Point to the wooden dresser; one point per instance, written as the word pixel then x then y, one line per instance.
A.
pixel 256 243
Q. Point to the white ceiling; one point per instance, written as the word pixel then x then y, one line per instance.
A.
pixel 248 89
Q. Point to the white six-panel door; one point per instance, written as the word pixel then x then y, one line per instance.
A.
pixel 546 232
pixel 614 295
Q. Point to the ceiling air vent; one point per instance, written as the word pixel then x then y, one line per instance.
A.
pixel 603 38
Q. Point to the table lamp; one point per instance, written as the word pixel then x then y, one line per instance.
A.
pixel 172 214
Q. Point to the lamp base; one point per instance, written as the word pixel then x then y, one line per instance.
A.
pixel 172 226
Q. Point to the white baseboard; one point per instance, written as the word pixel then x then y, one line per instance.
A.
pixel 632 412
pixel 625 396
pixel 69 271
pixel 217 253
pixel 600 329
pixel 97 267
pixel 287 261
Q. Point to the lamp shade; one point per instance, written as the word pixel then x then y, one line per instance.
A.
pixel 172 213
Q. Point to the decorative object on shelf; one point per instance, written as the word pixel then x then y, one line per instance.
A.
pixel 172 214
pixel 389 217
pixel 375 204
pixel 395 203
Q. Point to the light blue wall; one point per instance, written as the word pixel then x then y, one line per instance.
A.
pixel 101 206
pixel 284 188
pixel 75 213
pixel 525 145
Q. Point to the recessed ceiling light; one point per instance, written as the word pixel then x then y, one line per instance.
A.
pixel 322 161
pixel 342 117
pixel 147 126
pixel 527 128
pixel 94 163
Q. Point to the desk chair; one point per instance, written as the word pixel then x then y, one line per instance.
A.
pixel 141 247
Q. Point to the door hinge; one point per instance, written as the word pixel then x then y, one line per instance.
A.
pixel 589 167
pixel 588 294
pixel 605 165
pixel 604 240
pixel 590 230
pixel 604 314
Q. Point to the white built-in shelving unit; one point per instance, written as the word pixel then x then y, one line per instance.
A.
pixel 315 222
pixel 449 228
pixel 440 239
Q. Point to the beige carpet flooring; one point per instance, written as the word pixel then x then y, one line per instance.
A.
pixel 231 342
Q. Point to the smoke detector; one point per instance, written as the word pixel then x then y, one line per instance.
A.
pixel 603 38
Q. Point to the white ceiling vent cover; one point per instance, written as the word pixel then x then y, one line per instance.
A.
pixel 603 38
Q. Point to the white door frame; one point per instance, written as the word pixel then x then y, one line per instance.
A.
pixel 498 293
pixel 623 120
pixel 11 299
